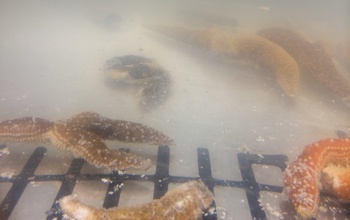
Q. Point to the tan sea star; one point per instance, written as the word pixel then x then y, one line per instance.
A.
pixel 184 202
pixel 312 58
pixel 83 135
pixel 251 47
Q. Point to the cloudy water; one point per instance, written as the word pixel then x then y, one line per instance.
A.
pixel 53 65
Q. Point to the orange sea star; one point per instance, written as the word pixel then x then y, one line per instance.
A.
pixel 302 177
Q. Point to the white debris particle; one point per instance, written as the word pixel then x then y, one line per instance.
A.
pixel 273 211
pixel 8 174
pixel 4 151
pixel 260 139
pixel 35 184
pixel 221 212
pixel 105 180
pixel 211 210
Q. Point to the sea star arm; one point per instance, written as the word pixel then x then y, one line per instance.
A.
pixel 252 47
pixel 120 130
pixel 302 176
pixel 26 129
pixel 91 147
pixel 312 58
pixel 185 202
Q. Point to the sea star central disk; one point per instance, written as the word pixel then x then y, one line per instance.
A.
pixel 302 177
pixel 91 147
pixel 251 47
pixel 185 202
pixel 83 135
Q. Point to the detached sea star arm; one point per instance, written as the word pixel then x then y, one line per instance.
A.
pixel 185 202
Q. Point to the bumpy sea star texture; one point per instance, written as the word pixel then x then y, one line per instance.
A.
pixel 91 147
pixel 302 176
pixel 83 135
pixel 312 58
pixel 26 129
pixel 251 47
pixel 120 130
pixel 185 202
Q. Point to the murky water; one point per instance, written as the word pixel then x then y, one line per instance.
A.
pixel 53 53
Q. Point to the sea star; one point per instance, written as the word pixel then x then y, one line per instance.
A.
pixel 83 134
pixel 312 58
pixel 120 130
pixel 251 47
pixel 302 177
pixel 91 147
pixel 184 202
pixel 137 70
pixel 26 129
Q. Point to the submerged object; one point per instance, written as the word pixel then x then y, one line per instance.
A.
pixel 184 202
pixel 84 136
pixel 90 147
pixel 252 47
pixel 302 178
pixel 120 130
pixel 26 129
pixel 153 80
pixel 312 58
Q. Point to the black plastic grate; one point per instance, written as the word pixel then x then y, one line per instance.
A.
pixel 161 180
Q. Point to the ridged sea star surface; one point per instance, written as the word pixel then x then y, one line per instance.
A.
pixel 184 202
pixel 312 58
pixel 120 130
pixel 26 129
pixel 84 136
pixel 253 48
pixel 91 147
pixel 302 176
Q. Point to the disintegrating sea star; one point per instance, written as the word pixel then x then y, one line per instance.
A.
pixel 302 178
pixel 184 202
